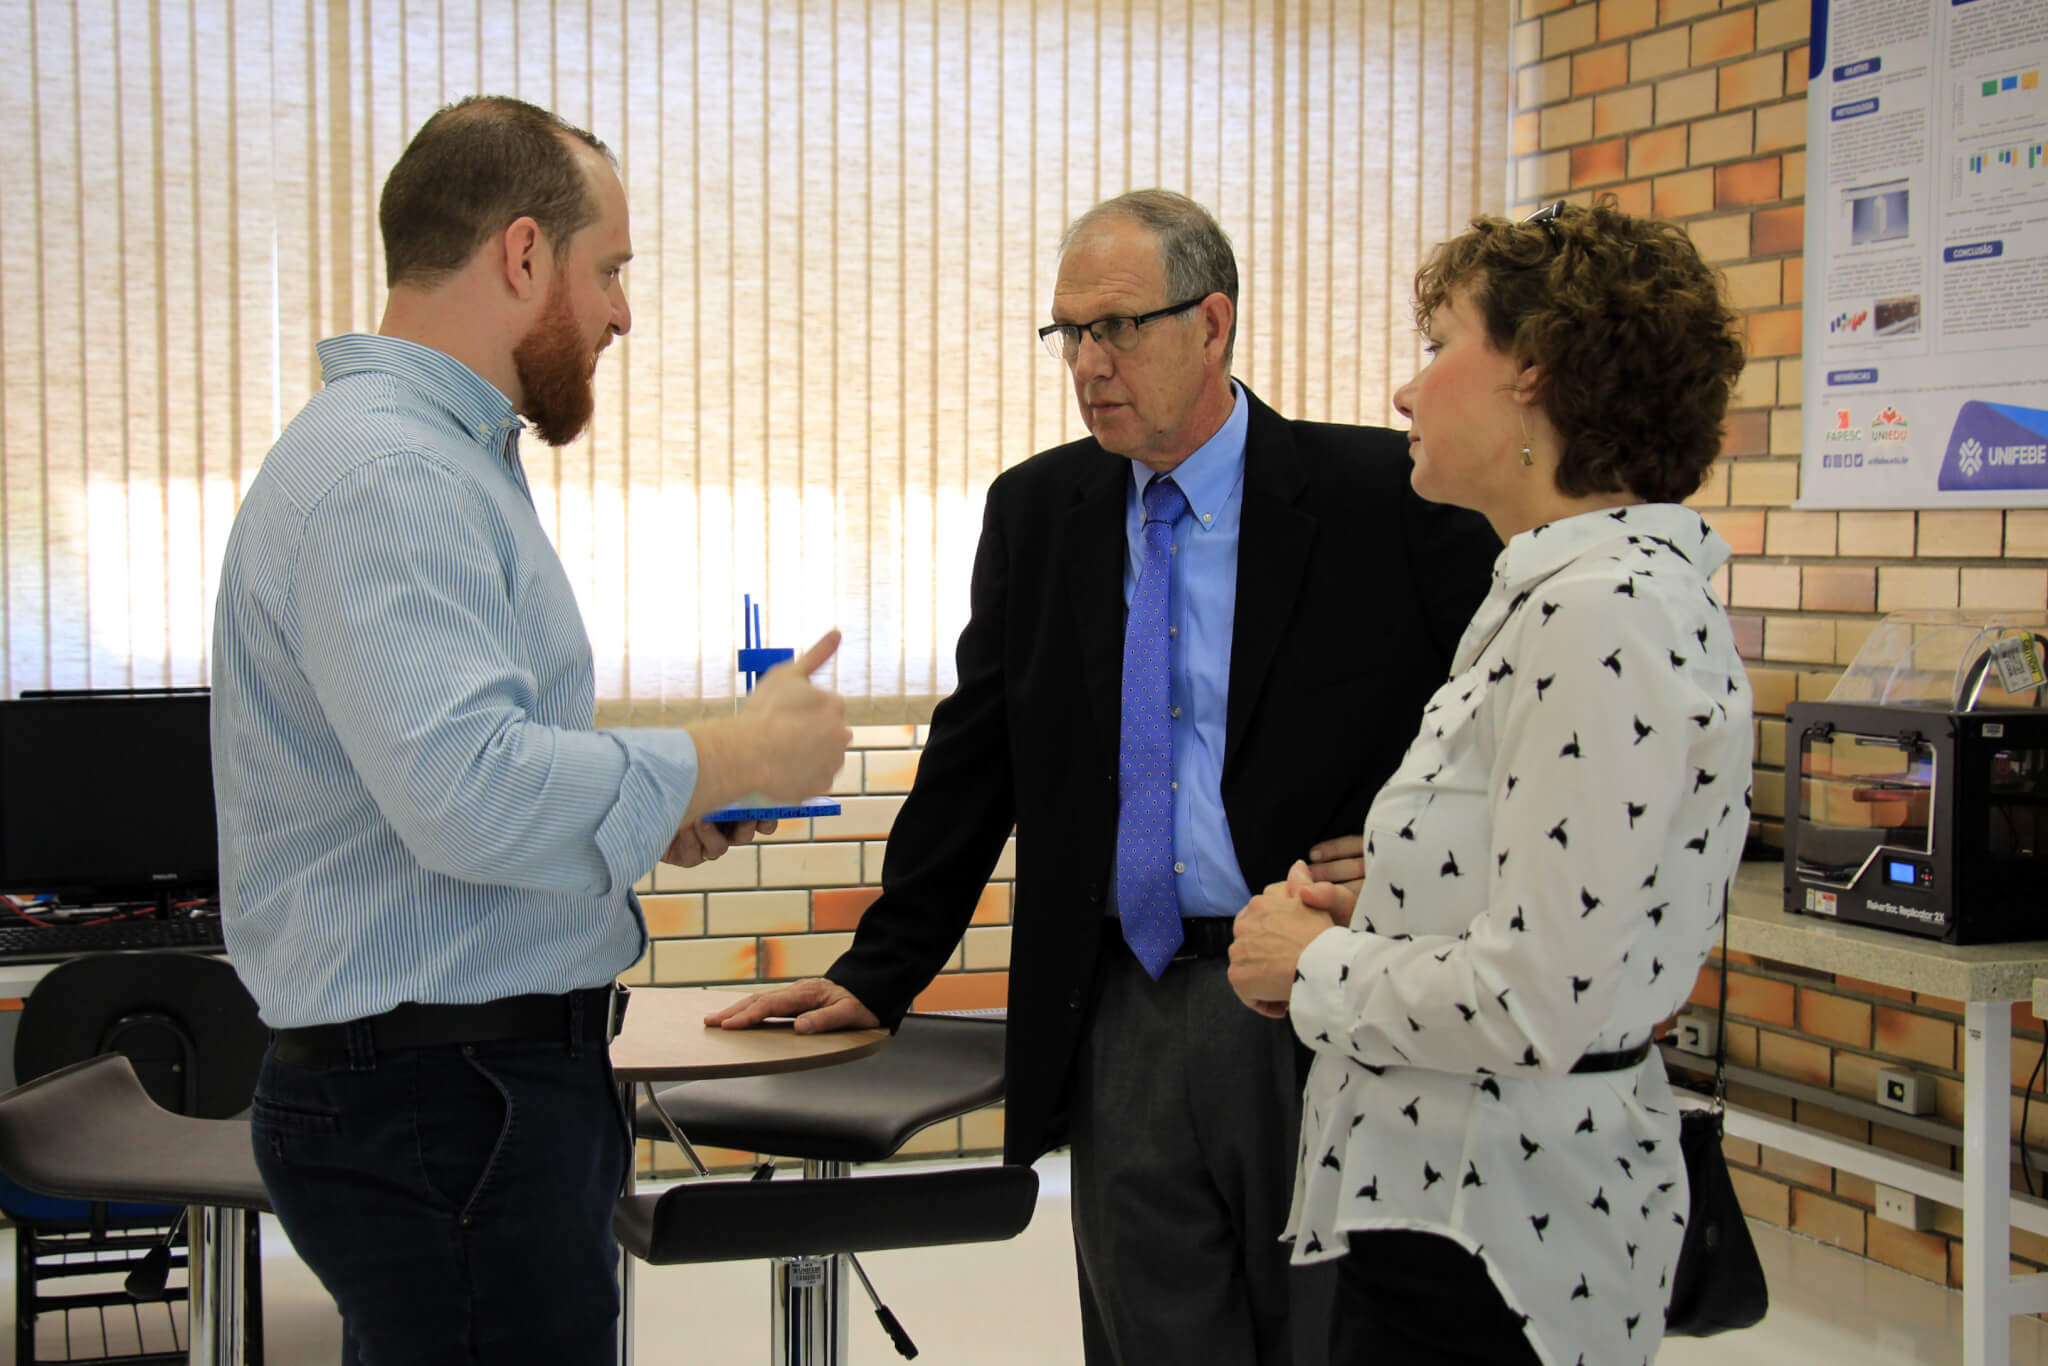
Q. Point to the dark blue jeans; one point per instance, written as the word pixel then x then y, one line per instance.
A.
pixel 455 1201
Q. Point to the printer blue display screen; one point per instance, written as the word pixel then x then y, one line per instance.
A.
pixel 1903 874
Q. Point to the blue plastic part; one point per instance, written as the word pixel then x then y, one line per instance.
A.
pixel 814 806
pixel 762 658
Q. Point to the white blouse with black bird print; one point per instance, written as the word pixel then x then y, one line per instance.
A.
pixel 1545 877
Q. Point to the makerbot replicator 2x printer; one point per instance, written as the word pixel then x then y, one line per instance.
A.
pixel 1922 802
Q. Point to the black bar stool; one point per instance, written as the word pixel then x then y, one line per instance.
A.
pixel 936 1068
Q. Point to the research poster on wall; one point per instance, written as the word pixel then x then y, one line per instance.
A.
pixel 1926 293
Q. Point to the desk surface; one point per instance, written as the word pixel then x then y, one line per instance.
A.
pixel 665 1039
pixel 1971 972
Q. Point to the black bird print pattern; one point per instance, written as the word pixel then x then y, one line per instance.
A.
pixel 1578 746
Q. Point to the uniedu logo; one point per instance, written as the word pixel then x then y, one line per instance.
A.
pixel 1972 457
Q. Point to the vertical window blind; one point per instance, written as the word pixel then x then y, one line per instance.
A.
pixel 845 213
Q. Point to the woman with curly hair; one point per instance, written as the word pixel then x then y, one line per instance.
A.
pixel 1488 1139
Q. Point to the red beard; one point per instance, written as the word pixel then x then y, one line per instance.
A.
pixel 555 369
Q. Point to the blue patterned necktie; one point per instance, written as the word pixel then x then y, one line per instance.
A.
pixel 1147 901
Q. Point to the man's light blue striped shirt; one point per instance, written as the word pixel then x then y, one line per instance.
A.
pixel 413 803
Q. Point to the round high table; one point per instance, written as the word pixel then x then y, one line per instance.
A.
pixel 665 1039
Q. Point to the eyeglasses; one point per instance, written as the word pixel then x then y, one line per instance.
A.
pixel 1549 216
pixel 1063 340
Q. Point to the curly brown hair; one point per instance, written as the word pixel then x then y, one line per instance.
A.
pixel 1636 346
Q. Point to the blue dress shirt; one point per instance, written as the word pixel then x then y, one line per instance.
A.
pixel 413 803
pixel 1201 605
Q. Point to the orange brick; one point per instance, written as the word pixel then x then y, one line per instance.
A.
pixel 1564 124
pixel 1753 284
pixel 1604 68
pixel 1764 585
pixel 1921 1038
pixel 1795 279
pixel 1783 21
pixel 1723 138
pixel 1764 483
pixel 1749 634
pixel 891 770
pixel 965 991
pixel 1876 534
pixel 1706 988
pixel 1781 127
pixel 1730 35
pixel 2004 590
pixel 1761 1197
pixel 1746 433
pixel 1599 162
pixel 1961 532
pixel 1632 199
pixel 1690 96
pixel 1657 152
pixel 1801 1171
pixel 1619 111
pixel 1744 531
pixel 1799 640
pixel 1783 1055
pixel 1657 54
pixel 1775 333
pixel 1919 1254
pixel 1619 18
pixel 1572 29
pixel 1721 239
pixel 1772 689
pixel 992 907
pixel 1527 133
pixel 1747 183
pixel 1751 82
pixel 841 908
pixel 1796 71
pixel 1761 999
pixel 1834 1017
pixel 1677 11
pixel 1827 1219
pixel 1544 83
pixel 1902 587
pixel 1775 231
pixel 1800 533
pixel 1532 8
pixel 1684 194
pixel 1838 588
pixel 673 915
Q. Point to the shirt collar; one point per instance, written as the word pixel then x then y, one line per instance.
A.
pixel 1533 554
pixel 484 412
pixel 1209 476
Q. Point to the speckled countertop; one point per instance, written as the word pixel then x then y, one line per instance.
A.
pixel 1976 972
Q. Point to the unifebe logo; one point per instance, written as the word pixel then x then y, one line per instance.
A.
pixel 1997 446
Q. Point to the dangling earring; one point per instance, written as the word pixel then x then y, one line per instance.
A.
pixel 1527 458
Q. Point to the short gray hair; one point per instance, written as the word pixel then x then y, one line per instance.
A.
pixel 1193 249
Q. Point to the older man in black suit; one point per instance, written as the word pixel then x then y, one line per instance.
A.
pixel 1200 640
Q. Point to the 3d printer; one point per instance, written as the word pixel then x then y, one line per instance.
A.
pixel 1923 783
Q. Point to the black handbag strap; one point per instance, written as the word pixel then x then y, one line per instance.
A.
pixel 1721 1018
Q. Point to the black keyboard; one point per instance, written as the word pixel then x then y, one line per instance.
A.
pixel 38 944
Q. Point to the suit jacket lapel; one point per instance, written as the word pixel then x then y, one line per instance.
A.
pixel 1272 551
pixel 1091 556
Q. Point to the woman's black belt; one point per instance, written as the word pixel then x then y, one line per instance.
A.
pixel 1613 1062
pixel 578 1016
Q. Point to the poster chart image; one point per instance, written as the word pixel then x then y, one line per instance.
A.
pixel 1926 316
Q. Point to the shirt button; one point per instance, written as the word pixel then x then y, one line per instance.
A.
pixel 1179 867
pixel 1176 713
pixel 1208 516
pixel 1173 631
pixel 1173 550
pixel 1176 787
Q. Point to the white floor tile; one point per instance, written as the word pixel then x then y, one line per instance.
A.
pixel 1013 1304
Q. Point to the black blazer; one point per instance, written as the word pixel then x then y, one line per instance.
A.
pixel 1351 595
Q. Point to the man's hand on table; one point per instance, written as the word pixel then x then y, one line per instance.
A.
pixel 820 1006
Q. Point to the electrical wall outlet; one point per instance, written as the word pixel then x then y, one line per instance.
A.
pixel 1909 1093
pixel 1695 1033
pixel 1904 1209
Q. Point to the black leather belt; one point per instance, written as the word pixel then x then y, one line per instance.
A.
pixel 1613 1062
pixel 414 1025
pixel 1201 936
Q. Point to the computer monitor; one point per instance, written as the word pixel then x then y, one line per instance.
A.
pixel 107 797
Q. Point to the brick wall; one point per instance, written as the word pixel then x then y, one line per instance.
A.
pixel 787 906
pixel 1696 111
